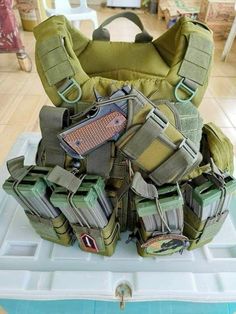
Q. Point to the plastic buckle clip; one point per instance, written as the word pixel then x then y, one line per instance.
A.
pixel 188 148
pixel 158 117
pixel 66 88
pixel 188 86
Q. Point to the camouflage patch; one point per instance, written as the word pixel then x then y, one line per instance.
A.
pixel 165 244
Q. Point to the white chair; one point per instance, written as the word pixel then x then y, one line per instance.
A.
pixel 230 39
pixel 74 14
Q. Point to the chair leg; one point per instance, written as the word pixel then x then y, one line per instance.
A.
pixel 24 61
pixel 229 41
pixel 95 22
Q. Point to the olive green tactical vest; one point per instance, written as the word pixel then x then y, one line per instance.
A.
pixel 174 66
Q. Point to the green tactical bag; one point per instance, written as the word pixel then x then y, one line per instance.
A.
pixel 83 201
pixel 160 213
pixel 28 186
pixel 174 66
pixel 207 202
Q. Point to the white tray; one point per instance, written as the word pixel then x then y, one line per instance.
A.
pixel 31 268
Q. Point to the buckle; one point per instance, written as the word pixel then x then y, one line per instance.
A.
pixel 66 88
pixel 188 86
pixel 187 145
pixel 158 117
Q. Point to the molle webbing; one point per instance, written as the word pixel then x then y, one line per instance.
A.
pixel 197 59
pixel 52 121
pixel 160 149
pixel 195 65
pixel 119 186
pixel 55 60
pixel 186 118
pixel 67 64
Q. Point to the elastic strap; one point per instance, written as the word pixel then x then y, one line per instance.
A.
pixel 64 178
pixel 82 221
pixel 140 187
pixel 17 170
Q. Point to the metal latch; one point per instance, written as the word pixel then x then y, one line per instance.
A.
pixel 123 292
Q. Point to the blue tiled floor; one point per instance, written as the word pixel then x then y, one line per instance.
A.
pixel 95 307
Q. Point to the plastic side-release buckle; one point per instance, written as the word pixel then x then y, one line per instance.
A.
pixel 189 148
pixel 67 88
pixel 158 117
pixel 188 86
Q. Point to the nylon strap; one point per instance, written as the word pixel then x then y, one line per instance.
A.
pixel 54 60
pixel 143 138
pixel 120 168
pixel 173 169
pixel 52 121
pixel 197 59
pixel 151 130
pixel 65 179
pixel 100 160
pixel 142 188
pixel 102 33
pixel 16 167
